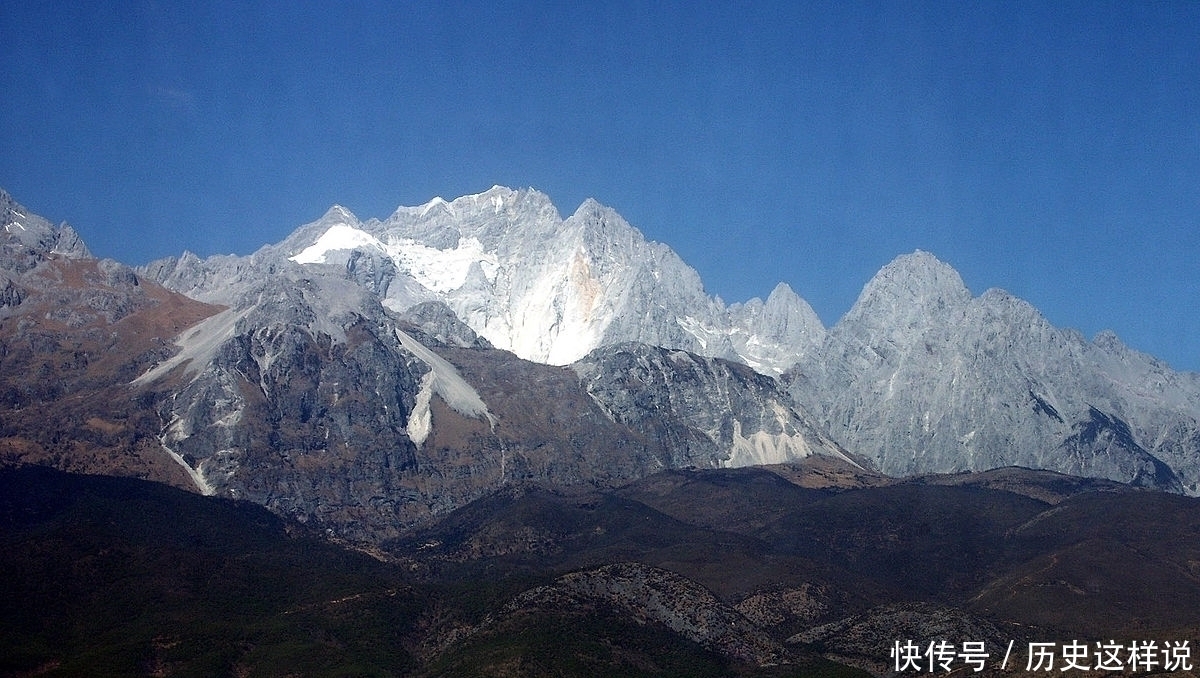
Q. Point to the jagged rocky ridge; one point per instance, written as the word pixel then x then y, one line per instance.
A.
pixel 362 419
pixel 546 288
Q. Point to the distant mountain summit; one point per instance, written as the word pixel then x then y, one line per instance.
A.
pixel 29 235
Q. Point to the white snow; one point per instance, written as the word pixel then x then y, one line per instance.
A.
pixel 337 237
pixel 195 474
pixel 197 345
pixel 543 293
pixel 441 270
pixel 444 380
pixel 437 201
pixel 753 352
pixel 438 270
pixel 696 329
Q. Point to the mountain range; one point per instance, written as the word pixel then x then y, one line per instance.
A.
pixel 374 374
pixel 481 388
pixel 919 376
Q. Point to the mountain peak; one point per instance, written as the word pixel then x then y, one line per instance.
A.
pixel 501 197
pixel 925 269
pixel 788 320
pixel 38 234
pixel 790 308
pixel 69 244
pixel 912 284
pixel 592 206
pixel 782 293
pixel 339 214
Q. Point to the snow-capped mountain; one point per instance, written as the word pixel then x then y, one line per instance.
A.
pixel 305 389
pixel 919 375
pixel 546 288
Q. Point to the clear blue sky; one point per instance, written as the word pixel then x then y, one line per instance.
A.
pixel 1048 148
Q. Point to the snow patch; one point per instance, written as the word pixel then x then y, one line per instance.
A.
pixel 438 270
pixel 436 202
pixel 194 473
pixel 444 380
pixel 696 329
pixel 441 270
pixel 337 237
pixel 197 345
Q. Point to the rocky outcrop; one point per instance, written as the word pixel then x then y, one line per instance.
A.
pixel 28 239
pixel 298 400
pixel 438 324
pixel 645 595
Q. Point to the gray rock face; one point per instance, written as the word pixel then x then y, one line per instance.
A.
pixel 439 325
pixel 707 412
pixel 28 239
pixel 921 377
pixel 297 400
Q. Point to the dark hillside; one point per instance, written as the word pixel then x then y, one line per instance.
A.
pixel 114 576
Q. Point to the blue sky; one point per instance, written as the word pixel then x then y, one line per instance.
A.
pixel 1048 148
